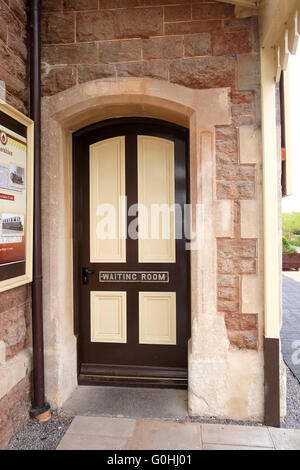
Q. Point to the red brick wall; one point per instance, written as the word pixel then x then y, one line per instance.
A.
pixel 195 43
pixel 15 304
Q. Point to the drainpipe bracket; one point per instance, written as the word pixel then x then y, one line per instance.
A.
pixel 41 415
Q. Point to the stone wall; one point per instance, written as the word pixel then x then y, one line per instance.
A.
pixel 197 44
pixel 13 53
pixel 15 304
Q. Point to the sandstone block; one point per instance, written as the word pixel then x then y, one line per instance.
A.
pixel 57 28
pixel 228 305
pixel 228 281
pixel 204 72
pixel 243 108
pixel 2 352
pixel 252 294
pixel 177 13
pixel 237 266
pixel 52 5
pixel 17 103
pixel 227 134
pixel 3 30
pixel 192 27
pixel 241 322
pixel 236 190
pixel 16 87
pixel 18 9
pixel 248 72
pixel 197 45
pixel 243 339
pixel 17 45
pixel 70 54
pixel 120 3
pixel 224 218
pixel 120 51
pixel 230 44
pixel 80 4
pixel 163 48
pixel 238 24
pixel 212 11
pixel 229 172
pixel 95 72
pixel 154 69
pixel 236 248
pixel 250 144
pixel 251 223
pixel 119 24
pixel 13 64
pixel 58 79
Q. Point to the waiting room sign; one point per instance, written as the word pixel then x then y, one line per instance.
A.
pixel 16 197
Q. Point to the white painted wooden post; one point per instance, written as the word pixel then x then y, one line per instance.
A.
pixel 288 132
pixel 272 265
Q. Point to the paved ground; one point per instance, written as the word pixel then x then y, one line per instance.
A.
pixel 99 433
pixel 290 332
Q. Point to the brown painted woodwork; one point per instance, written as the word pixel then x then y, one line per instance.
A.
pixel 272 381
pixel 129 363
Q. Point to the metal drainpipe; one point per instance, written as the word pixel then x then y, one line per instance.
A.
pixel 40 409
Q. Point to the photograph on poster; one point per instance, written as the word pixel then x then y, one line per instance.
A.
pixel 16 176
pixel 12 225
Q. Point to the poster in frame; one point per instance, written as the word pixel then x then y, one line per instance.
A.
pixel 16 197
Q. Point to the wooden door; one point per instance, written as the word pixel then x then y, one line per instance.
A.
pixel 131 277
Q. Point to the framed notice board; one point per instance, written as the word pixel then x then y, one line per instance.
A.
pixel 16 198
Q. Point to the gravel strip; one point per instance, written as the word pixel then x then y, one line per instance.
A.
pixel 37 436
pixel 292 419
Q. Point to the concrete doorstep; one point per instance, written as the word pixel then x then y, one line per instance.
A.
pixel 103 433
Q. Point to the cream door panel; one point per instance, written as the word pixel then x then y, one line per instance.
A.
pixel 107 186
pixel 108 317
pixel 157 317
pixel 156 189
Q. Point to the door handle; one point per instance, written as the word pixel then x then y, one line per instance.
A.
pixel 85 275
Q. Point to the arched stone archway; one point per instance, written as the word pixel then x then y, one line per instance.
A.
pixel 210 384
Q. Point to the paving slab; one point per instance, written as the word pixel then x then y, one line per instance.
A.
pixel 107 427
pixel 127 402
pixel 165 435
pixel 227 447
pixel 285 439
pixel 72 441
pixel 255 436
